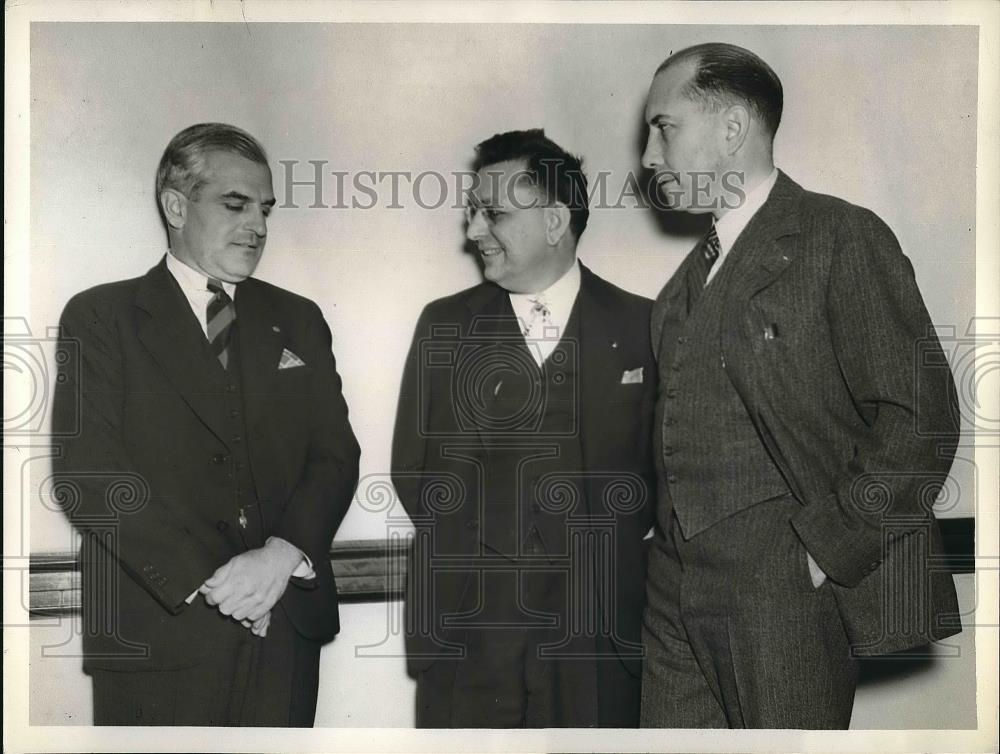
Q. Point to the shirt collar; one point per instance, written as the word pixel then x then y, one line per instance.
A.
pixel 558 297
pixel 191 280
pixel 731 224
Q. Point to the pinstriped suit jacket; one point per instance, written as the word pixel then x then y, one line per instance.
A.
pixel 853 399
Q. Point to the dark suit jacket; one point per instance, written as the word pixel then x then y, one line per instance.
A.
pixel 441 459
pixel 827 341
pixel 151 471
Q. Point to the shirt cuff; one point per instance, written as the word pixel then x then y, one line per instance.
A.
pixel 304 570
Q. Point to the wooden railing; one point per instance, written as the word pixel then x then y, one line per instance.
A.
pixel 374 570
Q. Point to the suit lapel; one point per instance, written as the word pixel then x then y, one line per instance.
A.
pixel 492 322
pixel 171 333
pixel 260 344
pixel 600 363
pixel 761 251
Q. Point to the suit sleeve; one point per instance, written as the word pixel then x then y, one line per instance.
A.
pixel 409 440
pixel 330 474
pixel 891 362
pixel 96 481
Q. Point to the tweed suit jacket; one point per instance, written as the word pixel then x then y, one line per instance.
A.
pixel 151 401
pixel 827 341
pixel 443 446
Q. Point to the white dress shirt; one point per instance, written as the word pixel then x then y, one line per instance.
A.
pixel 194 286
pixel 731 224
pixel 558 298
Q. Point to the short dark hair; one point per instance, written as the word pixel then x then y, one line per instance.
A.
pixel 182 165
pixel 725 72
pixel 556 173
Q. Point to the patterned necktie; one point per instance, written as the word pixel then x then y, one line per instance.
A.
pixel 701 265
pixel 539 317
pixel 220 315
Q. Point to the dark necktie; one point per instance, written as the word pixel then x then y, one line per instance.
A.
pixel 220 315
pixel 701 265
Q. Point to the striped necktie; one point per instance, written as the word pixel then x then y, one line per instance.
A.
pixel 220 315
pixel 701 265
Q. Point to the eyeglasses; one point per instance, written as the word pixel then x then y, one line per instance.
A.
pixel 492 215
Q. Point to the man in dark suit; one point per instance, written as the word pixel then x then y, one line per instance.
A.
pixel 804 425
pixel 522 455
pixel 213 464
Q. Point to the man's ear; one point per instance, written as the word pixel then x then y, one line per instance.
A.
pixel 556 223
pixel 174 205
pixel 737 122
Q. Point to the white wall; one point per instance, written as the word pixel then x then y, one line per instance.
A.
pixel 881 116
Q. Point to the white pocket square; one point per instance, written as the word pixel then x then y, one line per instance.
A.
pixel 632 376
pixel 289 360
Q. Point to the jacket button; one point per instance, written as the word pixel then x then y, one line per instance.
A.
pixel 234 413
pixel 668 451
pixel 672 393
pixel 682 339
pixel 218 459
pixel 672 478
pixel 221 526
pixel 676 366
pixel 230 388
pixel 669 422
pixel 237 440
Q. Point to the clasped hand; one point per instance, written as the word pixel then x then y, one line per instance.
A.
pixel 250 584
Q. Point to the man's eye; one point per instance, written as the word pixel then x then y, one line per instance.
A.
pixel 267 211
pixel 234 207
pixel 492 214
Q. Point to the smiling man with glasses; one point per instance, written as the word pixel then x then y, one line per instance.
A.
pixel 522 455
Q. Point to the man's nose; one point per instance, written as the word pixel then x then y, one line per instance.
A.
pixel 257 221
pixel 652 156
pixel 476 228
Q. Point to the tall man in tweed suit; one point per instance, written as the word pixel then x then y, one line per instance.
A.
pixel 216 396
pixel 793 485
pixel 522 455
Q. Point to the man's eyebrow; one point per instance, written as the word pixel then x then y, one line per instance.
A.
pixel 237 196
pixel 477 202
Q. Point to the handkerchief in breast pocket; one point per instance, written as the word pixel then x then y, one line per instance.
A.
pixel 289 360
pixel 632 376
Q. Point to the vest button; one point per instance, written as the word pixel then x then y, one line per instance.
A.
pixel 682 339
pixel 473 524
pixel 536 508
pixel 676 366
pixel 672 393
pixel 239 465
pixel 237 440
pixel 668 451
pixel 669 422
pixel 672 478
pixel 234 413
pixel 230 388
